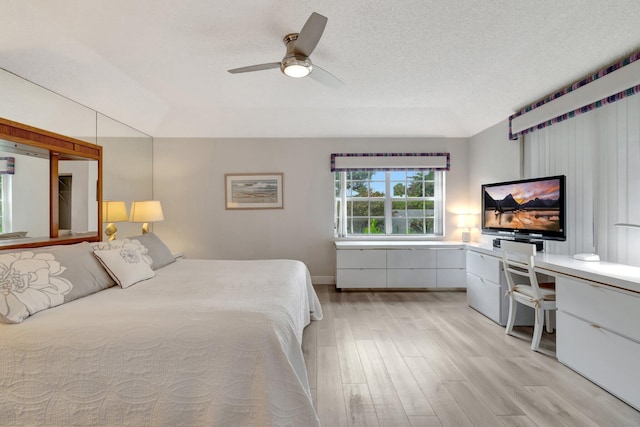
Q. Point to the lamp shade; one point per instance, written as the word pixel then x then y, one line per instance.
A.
pixel 114 211
pixel 146 211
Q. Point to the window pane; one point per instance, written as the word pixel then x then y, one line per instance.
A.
pixel 360 209
pixel 429 189
pixel 378 189
pixel 377 209
pixel 398 175
pixel 358 189
pixel 414 206
pixel 359 225
pixel 430 226
pixel 378 176
pixel 416 226
pixel 399 226
pixel 415 189
pixel 399 189
pixel 376 226
pixel 398 207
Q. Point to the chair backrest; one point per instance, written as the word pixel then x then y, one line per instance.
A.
pixel 518 260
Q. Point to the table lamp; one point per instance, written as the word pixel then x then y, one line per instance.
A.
pixel 113 211
pixel 466 222
pixel 146 211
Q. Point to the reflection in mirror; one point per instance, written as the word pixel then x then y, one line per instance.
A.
pixel 25 193
pixel 127 167
pixel 28 103
pixel 77 198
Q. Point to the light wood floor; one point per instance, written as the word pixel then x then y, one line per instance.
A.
pixel 427 359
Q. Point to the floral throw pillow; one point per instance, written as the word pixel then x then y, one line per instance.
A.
pixel 126 265
pixel 30 282
pixel 132 244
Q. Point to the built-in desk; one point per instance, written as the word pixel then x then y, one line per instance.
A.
pixel 598 319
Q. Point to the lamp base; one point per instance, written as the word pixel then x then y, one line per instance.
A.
pixel 145 228
pixel 111 231
pixel 466 236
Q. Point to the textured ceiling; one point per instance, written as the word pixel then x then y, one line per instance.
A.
pixel 410 67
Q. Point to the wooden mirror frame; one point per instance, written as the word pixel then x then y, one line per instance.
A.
pixel 59 147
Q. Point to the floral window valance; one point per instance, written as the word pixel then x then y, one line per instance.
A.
pixel 607 86
pixel 342 162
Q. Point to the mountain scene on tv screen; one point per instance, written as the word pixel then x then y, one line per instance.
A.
pixel 526 206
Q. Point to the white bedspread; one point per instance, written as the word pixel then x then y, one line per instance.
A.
pixel 202 343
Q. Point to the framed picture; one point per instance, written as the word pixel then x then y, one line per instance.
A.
pixel 254 191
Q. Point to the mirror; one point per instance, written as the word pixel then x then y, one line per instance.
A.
pixel 71 178
pixel 127 171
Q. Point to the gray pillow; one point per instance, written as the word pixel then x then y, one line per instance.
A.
pixel 40 278
pixel 156 249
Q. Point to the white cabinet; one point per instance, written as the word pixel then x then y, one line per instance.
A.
pixel 410 266
pixel 598 335
pixel 487 289
pixel 451 271
pixel 362 268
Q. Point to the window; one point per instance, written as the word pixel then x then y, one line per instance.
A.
pixel 389 203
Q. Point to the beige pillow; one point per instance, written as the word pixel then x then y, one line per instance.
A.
pixel 125 265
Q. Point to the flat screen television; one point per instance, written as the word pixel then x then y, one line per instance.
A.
pixel 527 209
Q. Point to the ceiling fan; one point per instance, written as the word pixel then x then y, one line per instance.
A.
pixel 296 62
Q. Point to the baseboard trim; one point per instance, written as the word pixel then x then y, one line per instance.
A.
pixel 323 280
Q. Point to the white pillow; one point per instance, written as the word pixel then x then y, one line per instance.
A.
pixel 125 265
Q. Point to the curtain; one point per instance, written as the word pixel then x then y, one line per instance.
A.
pixel 599 152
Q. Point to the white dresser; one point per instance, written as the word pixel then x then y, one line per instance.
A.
pixel 598 329
pixel 375 265
pixel 487 289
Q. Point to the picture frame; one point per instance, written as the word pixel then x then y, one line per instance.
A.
pixel 254 191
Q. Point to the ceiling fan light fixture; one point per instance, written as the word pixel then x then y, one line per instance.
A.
pixel 296 67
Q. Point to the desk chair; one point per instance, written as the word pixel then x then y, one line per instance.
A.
pixel 518 261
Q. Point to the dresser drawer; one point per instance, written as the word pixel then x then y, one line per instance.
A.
pixel 452 278
pixel 451 258
pixel 485 266
pixel 612 309
pixel 361 278
pixel 411 258
pixel 484 296
pixel 411 278
pixel 359 258
pixel 604 357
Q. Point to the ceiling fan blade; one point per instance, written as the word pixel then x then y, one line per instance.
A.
pixel 310 34
pixel 323 76
pixel 258 67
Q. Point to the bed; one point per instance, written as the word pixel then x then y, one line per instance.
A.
pixel 202 342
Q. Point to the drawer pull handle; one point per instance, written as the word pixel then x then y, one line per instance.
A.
pixel 593 325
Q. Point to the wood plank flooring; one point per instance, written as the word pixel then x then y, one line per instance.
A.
pixel 427 359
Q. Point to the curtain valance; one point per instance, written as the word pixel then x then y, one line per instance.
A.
pixel 342 162
pixel 608 85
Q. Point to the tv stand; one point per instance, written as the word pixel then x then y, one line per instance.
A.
pixel 539 243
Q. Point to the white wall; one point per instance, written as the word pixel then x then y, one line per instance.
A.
pixel 493 158
pixel 189 181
